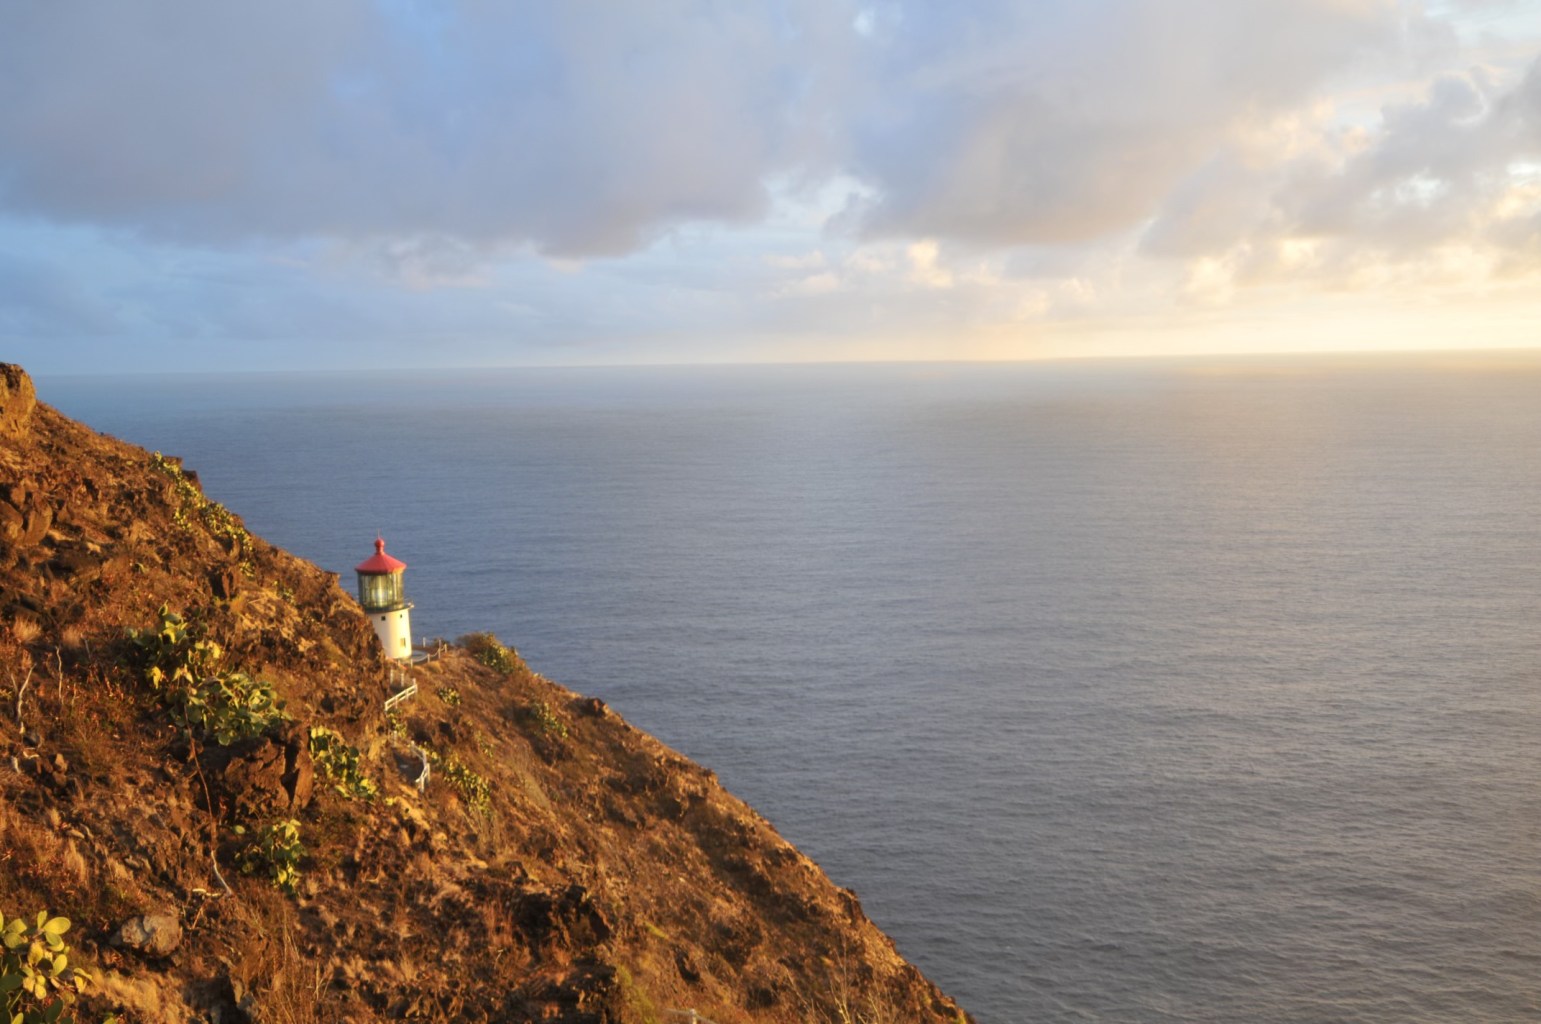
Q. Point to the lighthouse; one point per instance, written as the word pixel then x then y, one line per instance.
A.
pixel 379 591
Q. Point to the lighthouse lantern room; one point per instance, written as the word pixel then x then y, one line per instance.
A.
pixel 380 592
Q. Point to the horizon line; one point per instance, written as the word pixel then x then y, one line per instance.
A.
pixel 1099 358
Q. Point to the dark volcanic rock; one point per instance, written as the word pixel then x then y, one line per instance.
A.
pixel 272 777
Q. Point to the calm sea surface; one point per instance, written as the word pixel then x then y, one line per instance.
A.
pixel 1199 691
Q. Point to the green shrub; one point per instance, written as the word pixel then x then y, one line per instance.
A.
pixel 227 708
pixel 193 507
pixel 340 763
pixel 486 648
pixel 37 981
pixel 474 790
pixel 210 704
pixel 276 853
pixel 449 695
pixel 172 652
pixel 546 722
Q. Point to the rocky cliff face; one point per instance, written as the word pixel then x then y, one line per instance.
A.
pixel 224 859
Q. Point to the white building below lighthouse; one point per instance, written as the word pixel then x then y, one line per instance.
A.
pixel 381 594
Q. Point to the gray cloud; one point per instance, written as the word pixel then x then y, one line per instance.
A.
pixel 585 128
pixel 1436 171
pixel 1047 122
pixel 1223 202
pixel 441 133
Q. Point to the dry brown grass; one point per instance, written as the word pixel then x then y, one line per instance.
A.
pixel 25 630
pixel 851 993
pixel 36 858
pixel 287 986
pixel 144 998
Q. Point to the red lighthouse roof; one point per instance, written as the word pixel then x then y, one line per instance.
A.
pixel 379 563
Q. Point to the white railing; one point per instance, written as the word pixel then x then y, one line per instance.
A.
pixel 433 652
pixel 400 696
pixel 422 776
pixel 690 1015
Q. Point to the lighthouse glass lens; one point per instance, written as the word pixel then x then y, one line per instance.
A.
pixel 381 591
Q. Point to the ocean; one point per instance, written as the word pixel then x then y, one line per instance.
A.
pixel 1200 690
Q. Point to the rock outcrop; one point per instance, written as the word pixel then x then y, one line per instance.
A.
pixel 17 398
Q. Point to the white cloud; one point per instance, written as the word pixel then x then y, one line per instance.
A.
pixel 587 170
pixel 1050 123
pixel 813 284
pixel 803 261
pixel 924 270
pixel 591 129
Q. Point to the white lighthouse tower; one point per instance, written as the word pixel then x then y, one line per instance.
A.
pixel 379 591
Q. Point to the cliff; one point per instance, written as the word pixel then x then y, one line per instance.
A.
pixel 198 771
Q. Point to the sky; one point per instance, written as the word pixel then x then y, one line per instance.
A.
pixel 446 183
